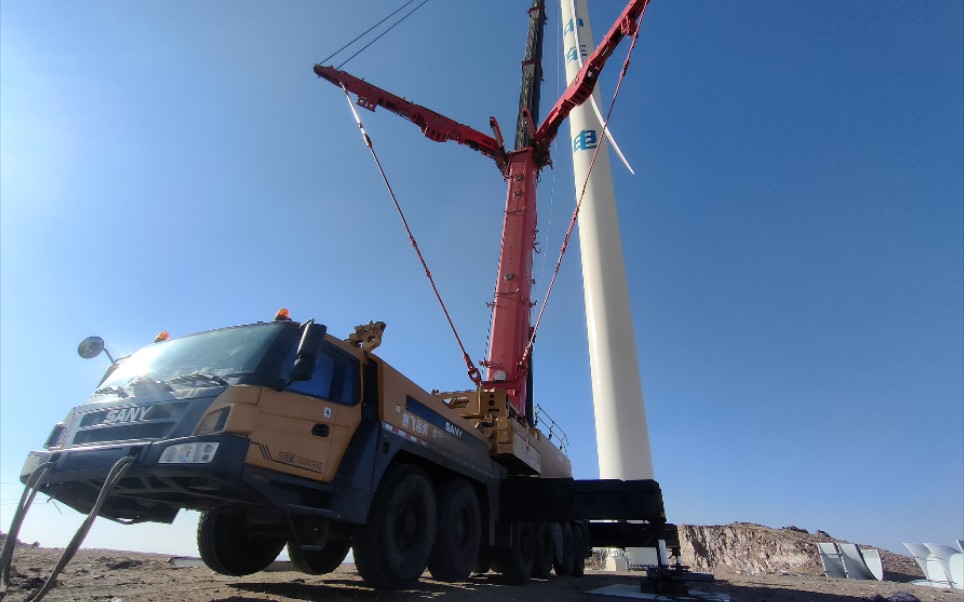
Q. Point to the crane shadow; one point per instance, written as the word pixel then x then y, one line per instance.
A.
pixel 491 587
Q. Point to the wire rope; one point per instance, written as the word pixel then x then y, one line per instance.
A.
pixel 379 36
pixel 362 34
pixel 555 148
pixel 473 371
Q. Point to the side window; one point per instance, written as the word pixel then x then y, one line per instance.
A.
pixel 344 383
pixel 320 383
pixel 335 378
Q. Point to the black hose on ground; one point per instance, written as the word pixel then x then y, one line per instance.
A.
pixel 113 477
pixel 26 499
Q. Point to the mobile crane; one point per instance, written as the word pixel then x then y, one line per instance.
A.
pixel 282 434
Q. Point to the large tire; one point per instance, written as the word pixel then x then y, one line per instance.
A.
pixel 319 562
pixel 564 558
pixel 228 545
pixel 542 565
pixel 393 546
pixel 458 532
pixel 515 562
pixel 579 537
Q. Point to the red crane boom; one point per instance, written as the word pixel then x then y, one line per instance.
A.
pixel 433 125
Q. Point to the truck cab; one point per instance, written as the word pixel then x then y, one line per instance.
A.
pixel 188 410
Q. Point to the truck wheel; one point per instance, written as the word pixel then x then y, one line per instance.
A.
pixel 579 537
pixel 542 565
pixel 565 558
pixel 319 562
pixel 393 546
pixel 515 563
pixel 458 532
pixel 228 544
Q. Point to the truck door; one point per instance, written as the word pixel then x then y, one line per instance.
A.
pixel 305 429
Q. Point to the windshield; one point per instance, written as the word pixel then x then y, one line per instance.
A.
pixel 220 356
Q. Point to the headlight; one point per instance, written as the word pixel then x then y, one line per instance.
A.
pixel 189 453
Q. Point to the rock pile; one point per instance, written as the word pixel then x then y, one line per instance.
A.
pixel 754 549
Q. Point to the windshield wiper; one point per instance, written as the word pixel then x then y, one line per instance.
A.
pixel 201 376
pixel 115 390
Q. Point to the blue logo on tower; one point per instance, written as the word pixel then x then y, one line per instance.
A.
pixel 584 140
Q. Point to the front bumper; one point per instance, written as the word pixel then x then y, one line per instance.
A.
pixel 155 492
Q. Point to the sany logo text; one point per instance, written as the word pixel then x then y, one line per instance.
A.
pixel 127 415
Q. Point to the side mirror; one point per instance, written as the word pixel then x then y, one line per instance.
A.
pixel 312 338
pixel 91 347
pixel 303 369
pixel 309 348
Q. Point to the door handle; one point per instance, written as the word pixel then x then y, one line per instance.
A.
pixel 321 430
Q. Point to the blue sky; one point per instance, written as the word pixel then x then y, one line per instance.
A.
pixel 794 235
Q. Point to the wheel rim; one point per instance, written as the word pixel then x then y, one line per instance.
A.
pixel 461 528
pixel 409 523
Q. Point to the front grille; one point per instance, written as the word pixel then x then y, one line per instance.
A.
pixel 124 432
pixel 152 412
pixel 147 421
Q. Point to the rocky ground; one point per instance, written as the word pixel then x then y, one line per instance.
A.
pixel 750 562
pixel 755 549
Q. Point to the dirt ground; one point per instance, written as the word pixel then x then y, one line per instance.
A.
pixel 112 576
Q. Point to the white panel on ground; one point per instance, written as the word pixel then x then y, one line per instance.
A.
pixel 832 560
pixel 853 562
pixel 874 563
pixel 639 558
pixel 616 563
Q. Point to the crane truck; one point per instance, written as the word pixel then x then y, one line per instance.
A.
pixel 282 434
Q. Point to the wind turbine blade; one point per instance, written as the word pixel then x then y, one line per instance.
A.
pixel 592 99
pixel 609 136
